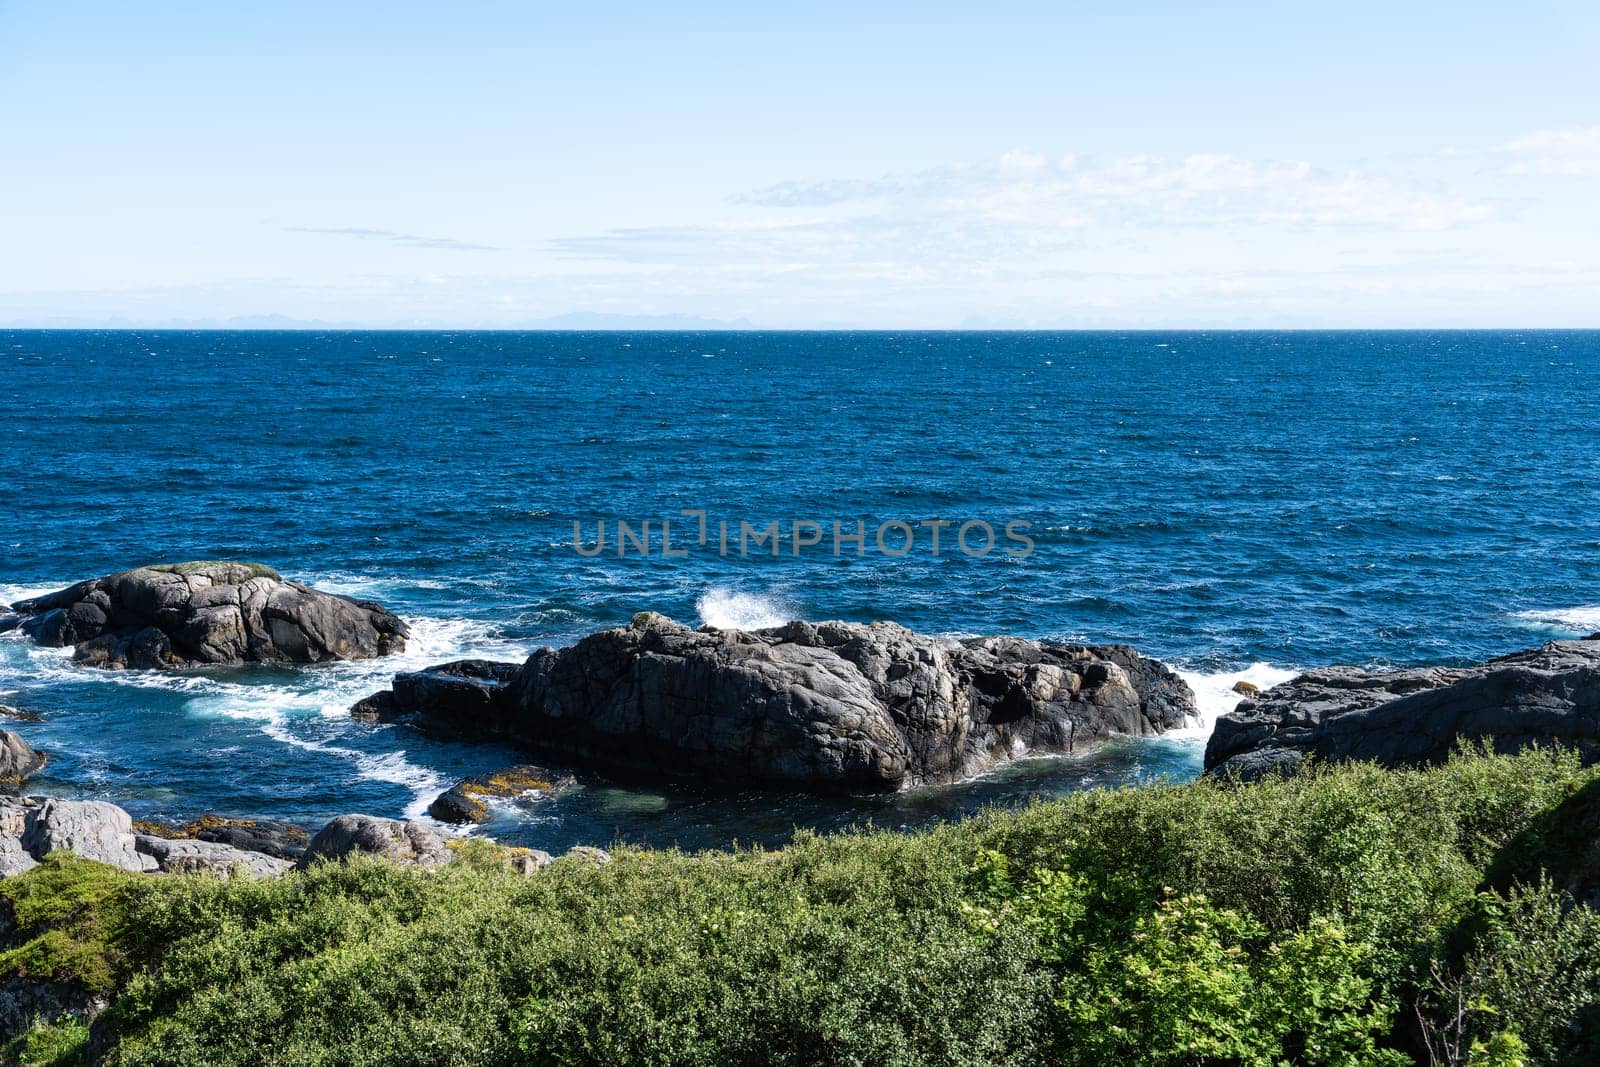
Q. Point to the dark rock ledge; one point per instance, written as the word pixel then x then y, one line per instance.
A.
pixel 1544 696
pixel 192 614
pixel 827 707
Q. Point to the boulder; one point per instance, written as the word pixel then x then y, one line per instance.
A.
pixel 18 759
pixel 530 860
pixel 14 859
pixel 92 829
pixel 186 856
pixel 467 800
pixel 1549 695
pixel 588 854
pixel 191 614
pixel 828 707
pixel 409 844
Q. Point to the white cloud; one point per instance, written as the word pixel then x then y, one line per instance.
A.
pixel 1027 211
pixel 1572 152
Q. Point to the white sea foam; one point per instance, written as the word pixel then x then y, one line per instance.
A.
pixel 728 609
pixel 309 712
pixel 1573 622
pixel 10 594
pixel 1214 695
pixel 367 586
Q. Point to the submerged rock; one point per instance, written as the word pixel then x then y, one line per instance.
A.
pixel 409 844
pixel 1549 695
pixel 467 800
pixel 826 707
pixel 18 759
pixel 189 614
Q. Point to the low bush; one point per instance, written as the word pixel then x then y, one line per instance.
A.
pixel 1324 919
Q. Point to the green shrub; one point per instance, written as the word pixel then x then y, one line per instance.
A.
pixel 1533 972
pixel 62 1044
pixel 1282 922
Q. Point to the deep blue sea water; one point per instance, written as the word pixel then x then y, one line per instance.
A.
pixel 1241 504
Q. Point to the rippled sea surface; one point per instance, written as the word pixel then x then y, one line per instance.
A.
pixel 1240 504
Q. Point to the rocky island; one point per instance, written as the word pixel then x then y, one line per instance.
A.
pixel 826 707
pixel 204 613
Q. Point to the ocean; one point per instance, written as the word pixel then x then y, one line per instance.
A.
pixel 1239 504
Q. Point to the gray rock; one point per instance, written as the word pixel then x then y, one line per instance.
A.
pixel 18 759
pixel 1549 695
pixel 92 829
pixel 467 800
pixel 588 854
pixel 827 707
pixel 531 860
pixel 409 844
pixel 14 859
pixel 188 855
pixel 191 614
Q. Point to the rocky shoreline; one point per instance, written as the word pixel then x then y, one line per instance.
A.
pixel 1406 718
pixel 829 707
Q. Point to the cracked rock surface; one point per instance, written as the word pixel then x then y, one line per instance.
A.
pixel 824 707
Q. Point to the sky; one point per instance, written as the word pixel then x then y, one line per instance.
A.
pixel 861 165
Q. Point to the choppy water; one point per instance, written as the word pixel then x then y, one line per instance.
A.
pixel 1238 503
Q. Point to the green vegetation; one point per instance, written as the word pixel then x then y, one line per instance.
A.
pixel 1344 916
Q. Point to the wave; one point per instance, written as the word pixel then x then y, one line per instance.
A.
pixel 1573 622
pixel 10 593
pixel 369 587
pixel 728 609
pixel 307 710
pixel 1214 695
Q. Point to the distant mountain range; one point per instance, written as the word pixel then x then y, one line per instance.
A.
pixel 576 320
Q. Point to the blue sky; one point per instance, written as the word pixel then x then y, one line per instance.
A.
pixel 874 165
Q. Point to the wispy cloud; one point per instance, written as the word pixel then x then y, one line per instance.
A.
pixel 1572 153
pixel 1196 190
pixel 1024 208
pixel 405 240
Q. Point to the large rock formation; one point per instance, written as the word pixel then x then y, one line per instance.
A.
pixel 830 707
pixel 189 614
pixel 1549 695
